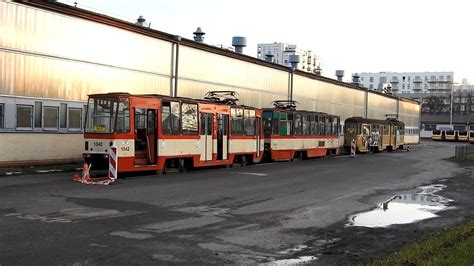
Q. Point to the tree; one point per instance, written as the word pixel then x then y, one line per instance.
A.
pixel 434 104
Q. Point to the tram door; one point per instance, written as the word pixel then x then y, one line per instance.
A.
pixel 206 136
pixel 145 136
pixel 257 131
pixel 222 136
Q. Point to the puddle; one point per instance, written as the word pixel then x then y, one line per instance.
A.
pixel 299 260
pixel 403 209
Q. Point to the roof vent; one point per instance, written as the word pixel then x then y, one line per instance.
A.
pixel 339 74
pixel 141 21
pixel 239 43
pixel 355 79
pixel 269 57
pixel 199 35
pixel 294 60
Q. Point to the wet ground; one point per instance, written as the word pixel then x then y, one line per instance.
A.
pixel 325 211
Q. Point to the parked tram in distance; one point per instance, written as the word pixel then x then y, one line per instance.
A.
pixel 438 134
pixel 451 135
pixel 161 133
pixel 463 135
pixel 373 135
pixel 296 134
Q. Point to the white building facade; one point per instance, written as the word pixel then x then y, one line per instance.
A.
pixel 280 52
pixel 409 82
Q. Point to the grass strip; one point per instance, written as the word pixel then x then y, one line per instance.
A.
pixel 454 246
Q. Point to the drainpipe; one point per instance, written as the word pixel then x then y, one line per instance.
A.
pixel 366 111
pixel 291 84
pixel 177 38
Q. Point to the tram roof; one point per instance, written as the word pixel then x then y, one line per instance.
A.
pixel 373 121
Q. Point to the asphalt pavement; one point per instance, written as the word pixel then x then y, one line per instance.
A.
pixel 255 214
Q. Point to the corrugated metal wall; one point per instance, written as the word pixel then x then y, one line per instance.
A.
pixel 46 54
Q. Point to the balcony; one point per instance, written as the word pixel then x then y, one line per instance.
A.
pixel 417 81
pixel 432 81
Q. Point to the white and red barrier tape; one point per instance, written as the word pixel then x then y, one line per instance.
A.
pixel 112 173
pixel 353 148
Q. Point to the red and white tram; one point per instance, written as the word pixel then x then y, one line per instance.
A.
pixel 156 132
pixel 296 134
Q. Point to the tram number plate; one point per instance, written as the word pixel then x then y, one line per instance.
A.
pixel 125 148
pixel 98 144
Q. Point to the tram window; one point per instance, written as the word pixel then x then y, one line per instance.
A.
pixel 284 125
pixel 267 117
pixel 38 114
pixel 249 122
pixel 175 118
pixel 50 119
pixel 328 125
pixel 365 130
pixel 140 118
pixel 313 126
pixel 385 130
pixel 24 116
pixel 165 118
pixel 322 125
pixel 334 126
pixel 1 116
pixel 123 116
pixel 298 124
pixel 74 118
pixel 237 121
pixel 306 125
pixel 276 123
pixel 189 119
pixel 63 115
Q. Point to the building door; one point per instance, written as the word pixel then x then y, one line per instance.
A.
pixel 206 124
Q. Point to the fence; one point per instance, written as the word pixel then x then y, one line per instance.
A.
pixel 463 151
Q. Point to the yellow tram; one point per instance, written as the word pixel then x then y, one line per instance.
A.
pixel 438 134
pixel 463 136
pixel 373 135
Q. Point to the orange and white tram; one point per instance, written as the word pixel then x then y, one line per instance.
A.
pixel 296 134
pixel 156 132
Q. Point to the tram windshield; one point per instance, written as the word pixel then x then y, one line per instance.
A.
pixel 108 115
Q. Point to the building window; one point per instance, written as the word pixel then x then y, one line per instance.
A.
pixel 408 86
pixel 371 86
pixel 1 116
pixel 371 79
pixel 403 79
pixel 403 86
pixel 38 114
pixel 24 116
pixel 189 114
pixel 50 119
pixel 74 118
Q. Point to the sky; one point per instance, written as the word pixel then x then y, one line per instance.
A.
pixel 355 36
